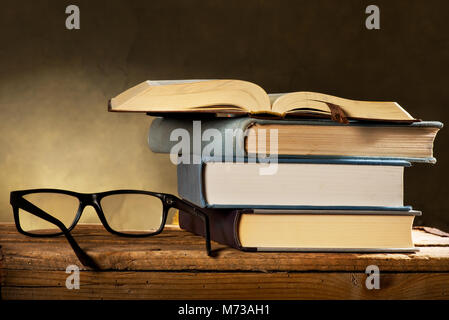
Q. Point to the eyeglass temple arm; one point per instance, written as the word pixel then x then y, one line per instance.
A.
pixel 198 212
pixel 85 259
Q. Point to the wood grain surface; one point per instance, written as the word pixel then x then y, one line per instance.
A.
pixel 174 265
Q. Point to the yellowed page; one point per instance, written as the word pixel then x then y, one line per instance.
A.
pixel 190 96
pixel 353 108
pixel 325 231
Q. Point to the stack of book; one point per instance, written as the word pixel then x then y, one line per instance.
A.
pixel 337 183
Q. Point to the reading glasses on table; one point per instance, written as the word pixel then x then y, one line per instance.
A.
pixel 127 213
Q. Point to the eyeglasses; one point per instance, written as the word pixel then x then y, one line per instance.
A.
pixel 128 213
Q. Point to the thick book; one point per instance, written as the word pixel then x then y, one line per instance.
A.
pixel 308 230
pixel 295 183
pixel 243 97
pixel 301 138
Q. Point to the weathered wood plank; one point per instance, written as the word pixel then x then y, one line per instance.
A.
pixel 178 250
pixel 174 265
pixel 27 284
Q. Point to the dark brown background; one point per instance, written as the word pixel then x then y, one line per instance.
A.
pixel 55 83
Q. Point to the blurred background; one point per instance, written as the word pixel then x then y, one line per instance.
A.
pixel 55 83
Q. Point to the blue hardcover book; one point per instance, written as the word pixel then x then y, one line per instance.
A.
pixel 332 184
pixel 240 136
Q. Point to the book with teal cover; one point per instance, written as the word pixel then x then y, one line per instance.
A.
pixel 161 129
pixel 191 183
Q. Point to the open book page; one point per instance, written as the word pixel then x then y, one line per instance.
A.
pixel 307 101
pixel 193 95
pixel 238 96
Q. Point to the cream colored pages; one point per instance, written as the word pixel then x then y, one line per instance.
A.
pixel 192 95
pixel 238 96
pixel 325 231
pixel 353 108
pixel 304 184
pixel 367 141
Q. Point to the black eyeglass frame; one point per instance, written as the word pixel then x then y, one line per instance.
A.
pixel 94 199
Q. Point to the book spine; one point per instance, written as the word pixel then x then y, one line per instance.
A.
pixel 223 226
pixel 161 130
pixel 190 183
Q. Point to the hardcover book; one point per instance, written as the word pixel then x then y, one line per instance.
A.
pixel 297 183
pixel 305 138
pixel 308 230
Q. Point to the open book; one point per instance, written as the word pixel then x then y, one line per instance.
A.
pixel 243 97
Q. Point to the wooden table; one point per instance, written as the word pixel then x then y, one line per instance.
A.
pixel 174 265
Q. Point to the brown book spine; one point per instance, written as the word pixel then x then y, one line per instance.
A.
pixel 223 226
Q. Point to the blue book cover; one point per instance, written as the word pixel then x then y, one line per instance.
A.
pixel 162 140
pixel 191 183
